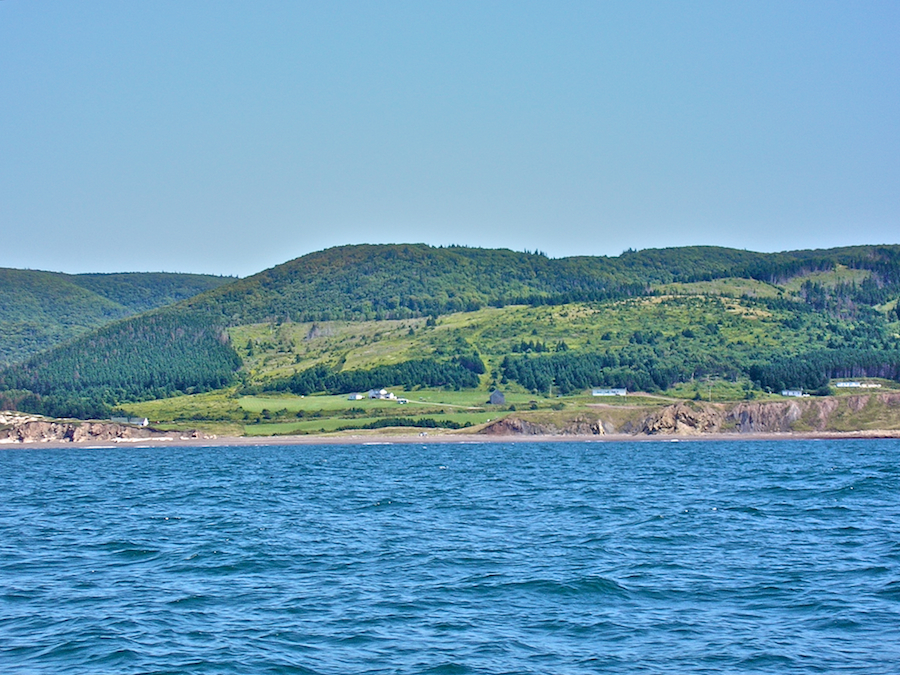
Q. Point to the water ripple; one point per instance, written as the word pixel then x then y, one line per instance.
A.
pixel 693 557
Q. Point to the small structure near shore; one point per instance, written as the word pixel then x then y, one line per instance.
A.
pixel 611 391
pixel 136 421
pixel 857 385
pixel 497 398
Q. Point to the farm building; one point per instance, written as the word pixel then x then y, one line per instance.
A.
pixel 615 391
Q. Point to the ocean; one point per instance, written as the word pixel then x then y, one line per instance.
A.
pixel 642 557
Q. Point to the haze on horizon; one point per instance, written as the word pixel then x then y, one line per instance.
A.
pixel 232 136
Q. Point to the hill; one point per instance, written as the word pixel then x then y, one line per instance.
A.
pixel 356 317
pixel 367 282
pixel 41 309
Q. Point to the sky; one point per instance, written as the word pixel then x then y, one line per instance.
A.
pixel 227 137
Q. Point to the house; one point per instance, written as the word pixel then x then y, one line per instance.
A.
pixel 615 391
pixel 497 398
pixel 382 394
pixel 796 393
pixel 355 397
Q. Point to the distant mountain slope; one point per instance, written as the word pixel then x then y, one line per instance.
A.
pixel 41 309
pixel 127 360
pixel 401 281
pixel 143 291
pixel 397 281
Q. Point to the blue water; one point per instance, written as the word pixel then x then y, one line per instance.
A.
pixel 691 557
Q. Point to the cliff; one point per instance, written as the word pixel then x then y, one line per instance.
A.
pixel 19 428
pixel 863 413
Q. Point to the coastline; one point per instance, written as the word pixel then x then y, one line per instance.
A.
pixel 445 438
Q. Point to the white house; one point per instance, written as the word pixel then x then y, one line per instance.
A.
pixel 609 392
pixel 796 393
pixel 355 397
pixel 382 394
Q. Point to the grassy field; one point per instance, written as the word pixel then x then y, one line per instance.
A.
pixel 738 287
pixel 840 274
pixel 729 286
pixel 271 350
pixel 225 414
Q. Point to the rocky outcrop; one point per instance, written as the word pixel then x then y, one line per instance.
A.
pixel 764 417
pixel 683 418
pixel 693 418
pixel 17 428
pixel 518 426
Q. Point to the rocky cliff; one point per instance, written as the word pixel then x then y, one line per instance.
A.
pixel 869 413
pixel 578 426
pixel 19 428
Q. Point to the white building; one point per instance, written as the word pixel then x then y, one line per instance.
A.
pixel 382 394
pixel 796 393
pixel 854 385
pixel 609 392
pixel 355 397
pixel 136 421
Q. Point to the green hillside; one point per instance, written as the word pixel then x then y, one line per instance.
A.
pixel 424 318
pixel 411 280
pixel 41 309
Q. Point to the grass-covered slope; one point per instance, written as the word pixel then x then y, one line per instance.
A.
pixel 41 309
pixel 654 342
pixel 340 319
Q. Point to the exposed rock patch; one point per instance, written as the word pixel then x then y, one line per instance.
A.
pixel 777 416
pixel 692 418
pixel 518 426
pixel 17 428
pixel 684 419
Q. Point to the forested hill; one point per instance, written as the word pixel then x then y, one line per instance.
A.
pixel 41 309
pixel 401 281
pixel 851 293
pixel 142 291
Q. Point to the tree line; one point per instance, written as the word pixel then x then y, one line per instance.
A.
pixel 455 373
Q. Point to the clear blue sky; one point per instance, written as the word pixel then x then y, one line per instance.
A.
pixel 227 137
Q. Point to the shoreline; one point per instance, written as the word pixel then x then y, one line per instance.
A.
pixel 447 438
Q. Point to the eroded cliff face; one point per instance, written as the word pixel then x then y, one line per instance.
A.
pixel 18 428
pixel 682 418
pixel 869 412
pixel 517 426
